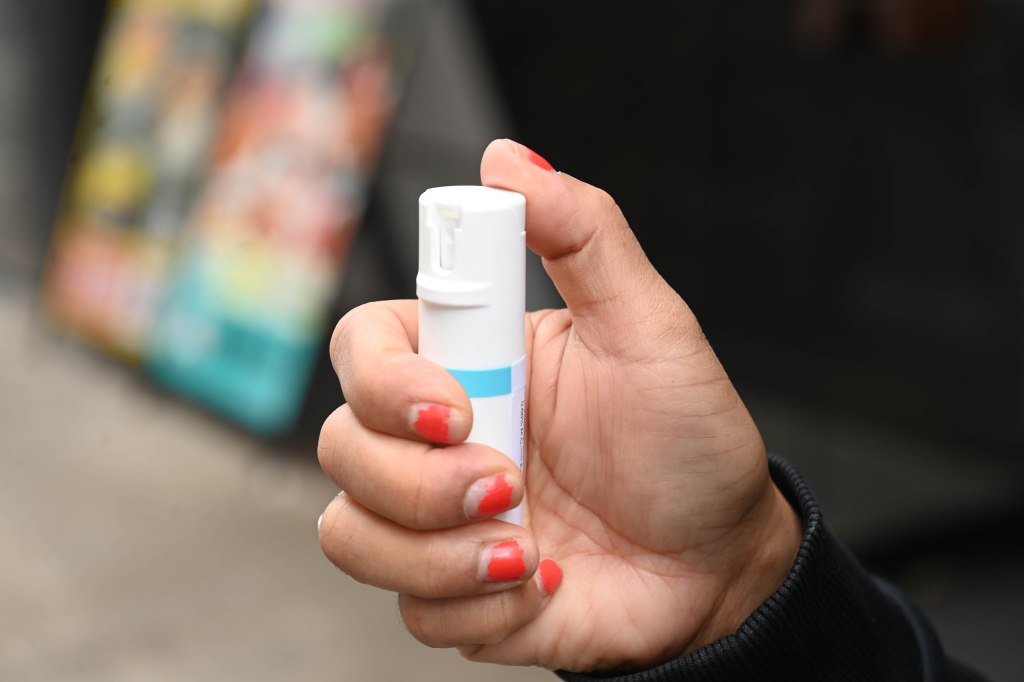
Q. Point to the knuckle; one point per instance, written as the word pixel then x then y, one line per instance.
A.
pixel 341 338
pixel 333 531
pixel 605 201
pixel 473 652
pixel 344 542
pixel 332 437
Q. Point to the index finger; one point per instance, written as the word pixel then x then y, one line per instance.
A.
pixel 389 387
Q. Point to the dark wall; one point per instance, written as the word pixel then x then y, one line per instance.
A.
pixel 48 52
pixel 837 197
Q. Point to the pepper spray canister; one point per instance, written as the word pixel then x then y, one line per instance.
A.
pixel 471 287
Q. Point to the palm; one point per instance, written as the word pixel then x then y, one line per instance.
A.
pixel 646 480
pixel 602 428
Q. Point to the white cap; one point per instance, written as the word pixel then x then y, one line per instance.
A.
pixel 472 276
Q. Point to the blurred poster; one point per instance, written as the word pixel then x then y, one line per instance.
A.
pixel 150 114
pixel 244 308
pixel 221 168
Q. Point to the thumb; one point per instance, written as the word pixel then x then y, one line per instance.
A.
pixel 618 301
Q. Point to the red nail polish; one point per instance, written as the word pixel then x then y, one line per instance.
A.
pixel 497 499
pixel 506 562
pixel 432 422
pixel 550 575
pixel 538 160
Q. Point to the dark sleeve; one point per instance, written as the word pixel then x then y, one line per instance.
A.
pixel 830 620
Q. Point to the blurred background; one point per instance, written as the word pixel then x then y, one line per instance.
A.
pixel 191 193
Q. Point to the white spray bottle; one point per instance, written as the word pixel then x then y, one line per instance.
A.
pixel 471 287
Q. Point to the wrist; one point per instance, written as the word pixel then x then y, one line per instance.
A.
pixel 771 545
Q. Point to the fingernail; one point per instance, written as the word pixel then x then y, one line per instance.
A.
pixel 549 575
pixel 533 157
pixel 435 422
pixel 319 521
pixel 488 497
pixel 538 160
pixel 502 562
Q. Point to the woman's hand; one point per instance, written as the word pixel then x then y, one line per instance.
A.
pixel 650 510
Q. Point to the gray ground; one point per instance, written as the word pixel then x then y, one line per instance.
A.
pixel 143 540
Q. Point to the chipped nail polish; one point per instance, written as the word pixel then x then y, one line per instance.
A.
pixel 504 562
pixel 431 421
pixel 488 497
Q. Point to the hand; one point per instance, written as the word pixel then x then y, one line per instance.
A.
pixel 647 480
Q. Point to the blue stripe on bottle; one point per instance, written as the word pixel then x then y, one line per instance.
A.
pixel 484 383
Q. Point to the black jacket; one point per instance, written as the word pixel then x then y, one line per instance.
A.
pixel 829 621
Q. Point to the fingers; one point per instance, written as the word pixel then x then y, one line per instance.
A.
pixel 413 484
pixel 588 248
pixel 479 620
pixel 484 557
pixel 388 386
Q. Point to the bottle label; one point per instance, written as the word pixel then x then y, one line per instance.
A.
pixel 517 406
pixel 499 407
